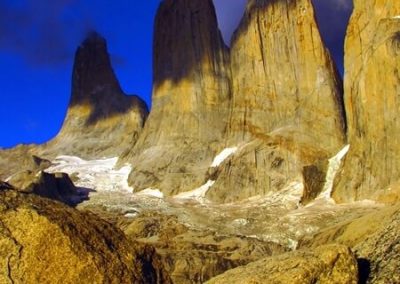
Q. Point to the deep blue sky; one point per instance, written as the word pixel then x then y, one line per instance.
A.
pixel 38 39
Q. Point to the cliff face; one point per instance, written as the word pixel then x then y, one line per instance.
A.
pixel 283 77
pixel 287 110
pixel 372 80
pixel 190 99
pixel 101 120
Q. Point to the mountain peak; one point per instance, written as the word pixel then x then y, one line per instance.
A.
pixel 93 37
pixel 93 78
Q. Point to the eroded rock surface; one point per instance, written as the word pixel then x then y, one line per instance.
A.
pixel 326 264
pixel 191 93
pixel 42 241
pixel 372 62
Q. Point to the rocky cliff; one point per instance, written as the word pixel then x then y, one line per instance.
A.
pixel 101 120
pixel 372 62
pixel 191 92
pixel 287 110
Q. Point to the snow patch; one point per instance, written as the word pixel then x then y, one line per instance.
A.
pixel 292 244
pixel 333 168
pixel 198 193
pixel 396 17
pixel 151 192
pixel 99 175
pixel 223 156
pixel 131 215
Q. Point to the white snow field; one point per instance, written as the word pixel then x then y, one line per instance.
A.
pixel 277 216
pixel 99 175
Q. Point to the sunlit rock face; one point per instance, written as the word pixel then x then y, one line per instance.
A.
pixel 283 77
pixel 43 241
pixel 287 108
pixel 101 120
pixel 372 89
pixel 190 99
pixel 326 264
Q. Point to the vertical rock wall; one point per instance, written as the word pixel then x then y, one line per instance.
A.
pixel 191 92
pixel 287 110
pixel 372 92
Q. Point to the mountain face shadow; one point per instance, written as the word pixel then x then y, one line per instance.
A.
pixel 186 35
pixel 103 109
pixel 82 195
pixel 95 84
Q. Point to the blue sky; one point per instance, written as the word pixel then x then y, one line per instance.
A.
pixel 38 39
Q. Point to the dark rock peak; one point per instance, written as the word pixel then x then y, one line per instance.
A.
pixel 186 34
pixel 93 37
pixel 94 82
pixel 93 77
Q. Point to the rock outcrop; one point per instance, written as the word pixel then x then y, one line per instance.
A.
pixel 375 240
pixel 191 94
pixel 326 264
pixel 379 254
pixel 56 186
pixel 372 63
pixel 21 159
pixel 43 241
pixel 287 110
pixel 196 255
pixel 101 120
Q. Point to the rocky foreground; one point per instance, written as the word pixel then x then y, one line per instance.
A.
pixel 254 165
pixel 148 239
pixel 188 239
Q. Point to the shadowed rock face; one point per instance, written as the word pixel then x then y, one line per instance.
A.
pixel 372 80
pixel 287 110
pixel 190 99
pixel 101 120
pixel 57 186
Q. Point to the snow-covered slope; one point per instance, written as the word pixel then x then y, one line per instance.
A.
pixel 334 165
pixel 100 175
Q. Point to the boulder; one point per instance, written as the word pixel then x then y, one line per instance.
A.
pixel 43 241
pixel 57 186
pixel 326 264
